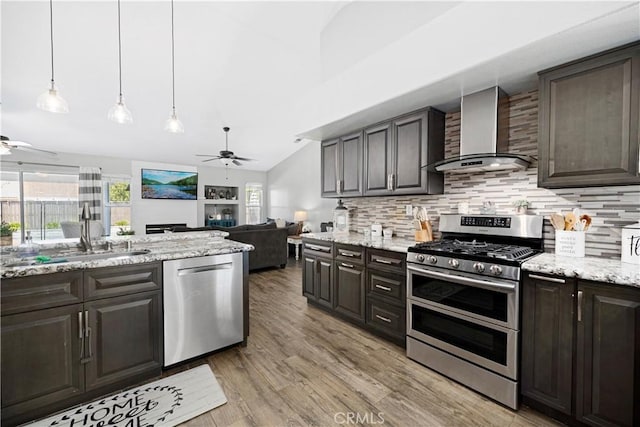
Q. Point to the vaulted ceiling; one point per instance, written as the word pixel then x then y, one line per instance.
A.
pixel 273 71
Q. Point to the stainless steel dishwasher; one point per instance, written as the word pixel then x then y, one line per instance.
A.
pixel 202 305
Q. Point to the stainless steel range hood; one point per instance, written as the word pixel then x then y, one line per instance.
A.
pixel 484 135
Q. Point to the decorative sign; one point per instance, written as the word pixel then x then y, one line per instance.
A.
pixel 631 244
pixel 570 243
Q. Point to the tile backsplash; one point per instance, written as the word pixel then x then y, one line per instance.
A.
pixel 610 207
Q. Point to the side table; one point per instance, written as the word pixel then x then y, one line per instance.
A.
pixel 297 241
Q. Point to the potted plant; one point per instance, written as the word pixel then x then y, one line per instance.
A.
pixel 6 234
pixel 521 206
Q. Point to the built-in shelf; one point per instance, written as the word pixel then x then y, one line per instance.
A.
pixel 220 202
pixel 220 205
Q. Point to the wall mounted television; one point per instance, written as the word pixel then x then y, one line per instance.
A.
pixel 164 184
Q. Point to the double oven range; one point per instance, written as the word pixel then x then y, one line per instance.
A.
pixel 463 306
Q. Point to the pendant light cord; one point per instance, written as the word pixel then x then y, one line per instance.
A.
pixel 119 53
pixel 173 67
pixel 51 30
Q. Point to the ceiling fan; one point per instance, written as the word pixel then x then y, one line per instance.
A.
pixel 226 157
pixel 8 144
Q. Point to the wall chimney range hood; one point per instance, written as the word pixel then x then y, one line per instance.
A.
pixel 484 136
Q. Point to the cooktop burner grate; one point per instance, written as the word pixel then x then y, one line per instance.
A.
pixel 475 248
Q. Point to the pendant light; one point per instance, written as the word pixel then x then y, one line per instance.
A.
pixel 119 113
pixel 173 124
pixel 50 100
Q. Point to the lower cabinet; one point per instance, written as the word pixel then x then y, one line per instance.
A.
pixel 592 329
pixel 350 290
pixel 318 280
pixel 60 355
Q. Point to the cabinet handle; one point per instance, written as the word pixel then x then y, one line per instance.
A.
pixel 338 189
pixel 346 265
pixel 384 319
pixel 87 335
pixel 383 261
pixel 579 306
pixel 384 288
pixel 348 254
pixel 81 334
pixel 547 279
pixel 389 182
pixel 318 248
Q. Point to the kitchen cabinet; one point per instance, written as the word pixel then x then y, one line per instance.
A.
pixel 386 293
pixel 608 355
pixel 588 121
pixel 588 328
pixel 317 278
pixel 350 282
pixel 395 151
pixel 342 166
pixel 69 337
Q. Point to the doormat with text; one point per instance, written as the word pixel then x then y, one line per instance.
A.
pixel 166 402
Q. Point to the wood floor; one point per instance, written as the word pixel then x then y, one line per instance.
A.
pixel 302 367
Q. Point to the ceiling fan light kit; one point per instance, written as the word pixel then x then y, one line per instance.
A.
pixel 119 113
pixel 226 157
pixel 51 100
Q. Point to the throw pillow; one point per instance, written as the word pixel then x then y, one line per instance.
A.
pixel 280 223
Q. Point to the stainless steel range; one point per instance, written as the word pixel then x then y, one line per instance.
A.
pixel 463 303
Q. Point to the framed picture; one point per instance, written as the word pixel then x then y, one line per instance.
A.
pixel 165 184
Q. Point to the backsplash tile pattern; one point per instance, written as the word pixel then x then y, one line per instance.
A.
pixel 610 207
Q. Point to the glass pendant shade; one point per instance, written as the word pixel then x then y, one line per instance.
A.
pixel 119 113
pixel 52 101
pixel 173 124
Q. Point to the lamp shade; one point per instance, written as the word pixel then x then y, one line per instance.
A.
pixel 300 216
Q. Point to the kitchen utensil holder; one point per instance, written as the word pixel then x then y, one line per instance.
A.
pixel 422 236
pixel 570 243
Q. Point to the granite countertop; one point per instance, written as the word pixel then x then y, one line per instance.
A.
pixel 161 247
pixel 394 244
pixel 588 268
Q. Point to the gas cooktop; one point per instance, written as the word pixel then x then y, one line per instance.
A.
pixel 474 248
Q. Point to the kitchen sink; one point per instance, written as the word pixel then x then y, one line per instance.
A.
pixel 77 257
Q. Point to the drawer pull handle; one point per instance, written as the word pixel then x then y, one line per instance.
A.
pixel 318 248
pixel 384 319
pixel 349 254
pixel 383 261
pixel 547 279
pixel 347 265
pixel 384 288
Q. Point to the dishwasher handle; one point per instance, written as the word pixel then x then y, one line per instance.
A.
pixel 204 268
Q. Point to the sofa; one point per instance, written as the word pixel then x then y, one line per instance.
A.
pixel 270 242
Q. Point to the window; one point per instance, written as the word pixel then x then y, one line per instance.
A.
pixel 253 203
pixel 117 203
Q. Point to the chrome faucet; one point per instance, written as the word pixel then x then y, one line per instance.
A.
pixel 85 234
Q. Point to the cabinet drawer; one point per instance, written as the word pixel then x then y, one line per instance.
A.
pixel 387 285
pixel 112 281
pixel 350 253
pixel 317 247
pixel 386 317
pixel 386 260
pixel 42 291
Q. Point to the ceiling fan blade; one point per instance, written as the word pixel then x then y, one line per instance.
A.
pixel 206 155
pixel 237 163
pixel 244 159
pixel 211 159
pixel 36 150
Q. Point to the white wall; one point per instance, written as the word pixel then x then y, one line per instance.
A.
pixel 294 184
pixel 147 211
pixel 233 177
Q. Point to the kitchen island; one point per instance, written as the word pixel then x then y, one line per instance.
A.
pixel 92 323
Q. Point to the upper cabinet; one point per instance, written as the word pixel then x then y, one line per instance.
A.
pixel 588 123
pixel 386 158
pixel 342 166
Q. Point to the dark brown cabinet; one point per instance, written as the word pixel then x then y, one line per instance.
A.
pixel 591 329
pixel 317 276
pixel 547 340
pixel 588 121
pixel 68 337
pixel 395 153
pixel 350 290
pixel 342 166
pixel 608 355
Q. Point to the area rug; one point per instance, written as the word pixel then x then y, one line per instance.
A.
pixel 166 402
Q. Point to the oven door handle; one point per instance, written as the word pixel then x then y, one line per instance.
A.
pixel 464 280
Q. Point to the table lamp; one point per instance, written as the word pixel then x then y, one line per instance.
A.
pixel 300 217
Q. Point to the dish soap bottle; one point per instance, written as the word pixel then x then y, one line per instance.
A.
pixel 28 248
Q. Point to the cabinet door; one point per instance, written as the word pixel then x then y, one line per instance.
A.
pixel 547 340
pixel 588 121
pixel 329 162
pixel 125 338
pixel 41 354
pixel 350 290
pixel 350 165
pixel 324 282
pixel 410 153
pixel 377 160
pixel 309 276
pixel 608 355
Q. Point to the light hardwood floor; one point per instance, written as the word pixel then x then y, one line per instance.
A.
pixel 303 367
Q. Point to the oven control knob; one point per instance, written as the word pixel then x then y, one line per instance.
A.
pixel 420 257
pixel 479 267
pixel 433 259
pixel 454 263
pixel 496 270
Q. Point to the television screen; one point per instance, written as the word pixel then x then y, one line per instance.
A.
pixel 161 184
